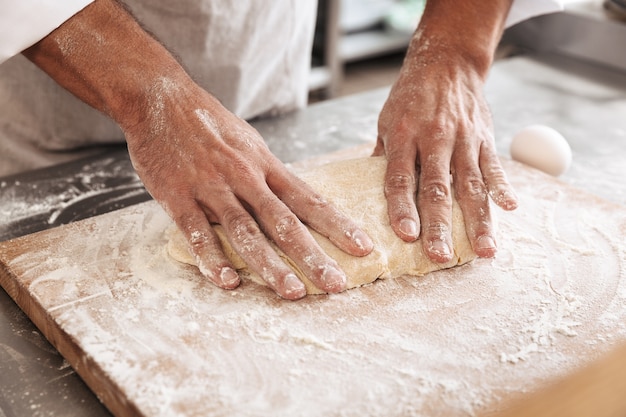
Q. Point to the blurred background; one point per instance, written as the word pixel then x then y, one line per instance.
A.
pixel 360 44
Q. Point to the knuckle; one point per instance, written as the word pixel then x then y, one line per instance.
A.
pixel 397 183
pixel 496 175
pixel 232 216
pixel 440 128
pixel 471 188
pixel 317 202
pixel 436 191
pixel 437 229
pixel 243 229
pixel 307 197
pixel 198 240
pixel 242 171
pixel 287 229
pixel 402 127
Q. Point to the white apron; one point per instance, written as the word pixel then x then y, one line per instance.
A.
pixel 253 55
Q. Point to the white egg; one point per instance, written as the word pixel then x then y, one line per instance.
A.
pixel 543 148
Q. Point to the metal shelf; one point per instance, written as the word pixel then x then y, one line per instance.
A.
pixel 583 31
pixel 335 47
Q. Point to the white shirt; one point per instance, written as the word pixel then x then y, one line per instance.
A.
pixel 25 22
pixel 253 55
pixel 525 9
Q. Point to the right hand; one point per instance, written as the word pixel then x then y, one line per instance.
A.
pixel 205 165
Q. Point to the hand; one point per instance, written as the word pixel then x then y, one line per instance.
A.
pixel 199 161
pixel 436 129
pixel 203 164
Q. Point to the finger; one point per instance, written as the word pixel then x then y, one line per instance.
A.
pixel 501 192
pixel 250 243
pixel 205 246
pixel 379 149
pixel 471 194
pixel 294 239
pixel 400 189
pixel 435 207
pixel 320 215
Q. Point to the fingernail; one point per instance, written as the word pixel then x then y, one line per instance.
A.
pixel 229 277
pixel 294 287
pixel 485 242
pixel 334 280
pixel 362 240
pixel 440 248
pixel 408 227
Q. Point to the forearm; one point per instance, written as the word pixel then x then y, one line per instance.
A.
pixel 106 59
pixel 201 162
pixel 465 31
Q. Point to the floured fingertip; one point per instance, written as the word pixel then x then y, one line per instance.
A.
pixel 362 242
pixel 225 277
pixel 229 278
pixel 485 247
pixel 333 280
pixel 439 251
pixel 294 289
pixel 505 199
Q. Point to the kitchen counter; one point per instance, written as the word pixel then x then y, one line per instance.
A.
pixel 586 103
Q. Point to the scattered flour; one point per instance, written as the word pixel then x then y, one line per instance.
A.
pixel 455 342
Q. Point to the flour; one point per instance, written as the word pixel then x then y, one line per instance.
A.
pixel 45 201
pixel 455 342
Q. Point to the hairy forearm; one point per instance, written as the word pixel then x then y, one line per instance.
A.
pixel 464 30
pixel 104 57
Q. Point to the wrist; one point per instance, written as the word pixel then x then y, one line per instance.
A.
pixel 463 34
pixel 437 50
pixel 104 57
pixel 139 92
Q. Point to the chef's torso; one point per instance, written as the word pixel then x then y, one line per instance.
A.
pixel 254 55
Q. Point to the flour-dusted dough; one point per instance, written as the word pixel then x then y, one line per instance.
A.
pixel 355 187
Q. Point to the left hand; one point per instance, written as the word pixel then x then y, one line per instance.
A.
pixel 436 129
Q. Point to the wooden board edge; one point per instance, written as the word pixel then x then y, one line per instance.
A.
pixel 597 389
pixel 89 371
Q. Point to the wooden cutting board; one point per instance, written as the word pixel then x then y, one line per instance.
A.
pixel 152 338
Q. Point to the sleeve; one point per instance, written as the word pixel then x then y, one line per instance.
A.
pixel 25 22
pixel 525 9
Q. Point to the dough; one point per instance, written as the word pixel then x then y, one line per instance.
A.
pixel 356 187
